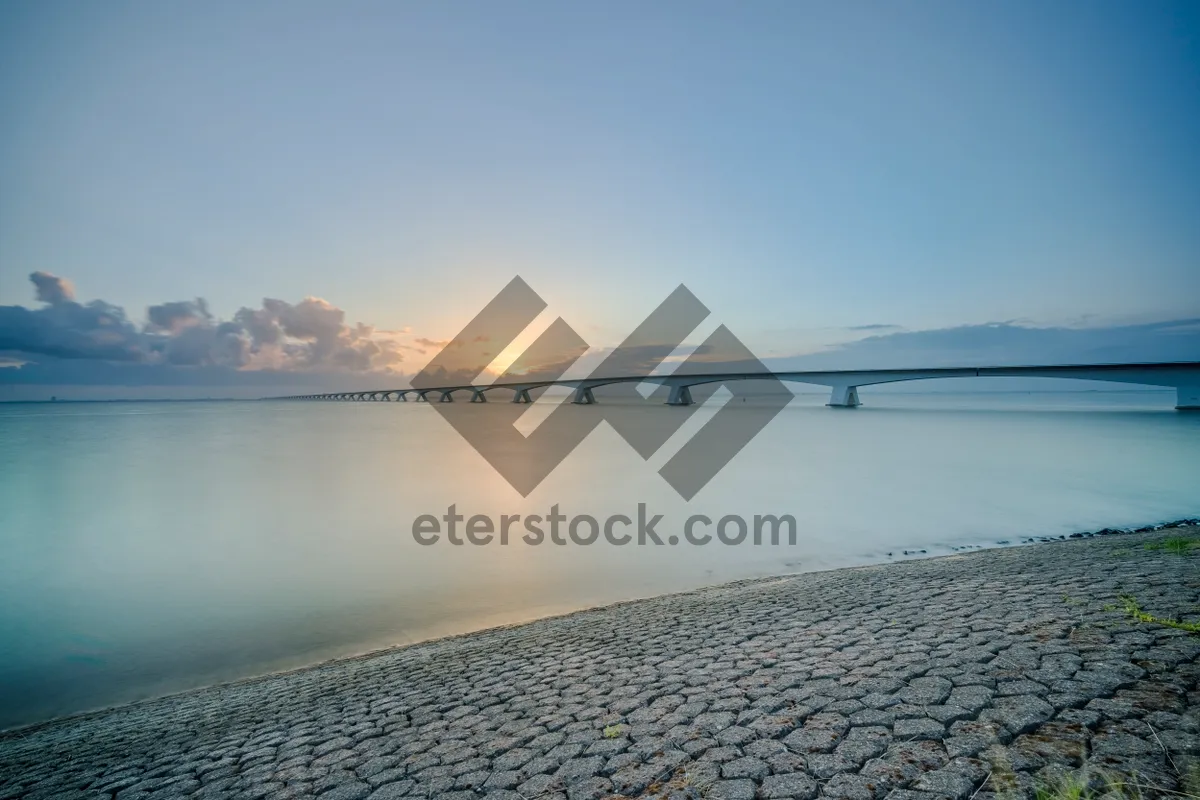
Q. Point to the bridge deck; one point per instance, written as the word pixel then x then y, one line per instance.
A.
pixel 1184 376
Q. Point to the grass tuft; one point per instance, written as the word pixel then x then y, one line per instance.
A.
pixel 1179 545
pixel 1129 605
pixel 1088 786
pixel 1191 780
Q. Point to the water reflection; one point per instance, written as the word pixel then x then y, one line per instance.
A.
pixel 150 547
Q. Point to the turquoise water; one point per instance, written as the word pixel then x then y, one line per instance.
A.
pixel 151 547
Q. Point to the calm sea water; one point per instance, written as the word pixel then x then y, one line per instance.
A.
pixel 151 547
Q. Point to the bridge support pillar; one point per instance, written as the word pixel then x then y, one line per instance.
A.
pixel 583 396
pixel 447 397
pixel 680 396
pixel 421 398
pixel 1187 398
pixel 522 396
pixel 477 396
pixel 844 397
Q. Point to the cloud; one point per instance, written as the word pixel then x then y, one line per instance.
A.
pixel 174 317
pixel 309 343
pixel 199 345
pixel 52 289
pixel 66 329
pixel 1009 344
pixel 311 335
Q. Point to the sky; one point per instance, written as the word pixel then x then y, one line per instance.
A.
pixel 319 193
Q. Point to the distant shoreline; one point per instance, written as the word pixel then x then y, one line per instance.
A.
pixel 823 393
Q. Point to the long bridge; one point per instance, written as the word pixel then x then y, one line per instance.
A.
pixel 1183 376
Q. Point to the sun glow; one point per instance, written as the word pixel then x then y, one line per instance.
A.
pixel 505 358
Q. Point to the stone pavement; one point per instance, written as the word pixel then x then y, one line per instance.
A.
pixel 963 676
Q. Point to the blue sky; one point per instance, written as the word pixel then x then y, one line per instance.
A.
pixel 806 169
